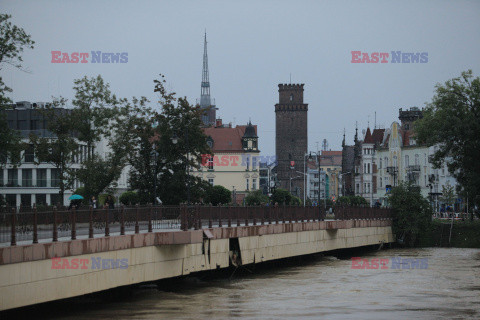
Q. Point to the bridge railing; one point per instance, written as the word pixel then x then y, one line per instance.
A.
pixel 19 226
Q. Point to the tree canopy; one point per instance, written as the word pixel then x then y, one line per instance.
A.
pixel 13 40
pixel 412 214
pixel 451 122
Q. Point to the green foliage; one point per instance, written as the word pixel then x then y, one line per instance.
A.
pixel 60 150
pixel 343 200
pixel 295 201
pixel 412 213
pixel 155 155
pixel 256 198
pixel 218 195
pixel 13 40
pixel 448 194
pixel 451 121
pixel 281 196
pixel 129 198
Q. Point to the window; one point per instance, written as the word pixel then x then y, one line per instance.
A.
pixel 41 177
pixel 1 177
pixel 407 161
pixel 26 177
pixel 254 163
pixel 55 178
pixel 210 180
pixel 12 178
pixel 254 184
pixel 29 155
pixel 210 163
pixel 368 167
pixel 380 163
pixel 395 161
pixel 247 182
pixel 386 162
pixel 248 162
pixel 291 97
pixel 381 185
pixel 417 160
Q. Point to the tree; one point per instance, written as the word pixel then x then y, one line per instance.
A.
pixel 95 108
pixel 167 147
pixel 412 214
pixel 256 198
pixel 60 149
pixel 451 121
pixel 218 195
pixel 281 196
pixel 13 40
pixel 99 173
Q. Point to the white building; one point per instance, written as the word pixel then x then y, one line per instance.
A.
pixel 31 183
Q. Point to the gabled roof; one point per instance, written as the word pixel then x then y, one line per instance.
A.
pixel 227 139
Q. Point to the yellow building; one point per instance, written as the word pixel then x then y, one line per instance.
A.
pixel 235 160
pixel 331 164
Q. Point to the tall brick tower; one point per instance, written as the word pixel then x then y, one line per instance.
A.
pixel 291 140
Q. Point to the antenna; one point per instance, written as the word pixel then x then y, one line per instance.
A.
pixel 375 125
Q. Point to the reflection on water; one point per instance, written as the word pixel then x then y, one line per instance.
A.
pixel 321 287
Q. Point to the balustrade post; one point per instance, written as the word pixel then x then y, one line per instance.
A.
pixel 55 231
pixel 137 227
pixel 13 236
pixel 35 226
pixel 73 222
pixel 220 217
pixel 90 223
pixel 238 215
pixel 150 227
pixel 184 224
pixel 122 221
pixel 107 224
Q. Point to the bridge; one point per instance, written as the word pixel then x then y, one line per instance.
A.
pixel 58 254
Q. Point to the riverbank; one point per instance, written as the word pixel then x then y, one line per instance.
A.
pixel 465 234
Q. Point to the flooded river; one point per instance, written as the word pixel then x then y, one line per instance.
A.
pixel 319 287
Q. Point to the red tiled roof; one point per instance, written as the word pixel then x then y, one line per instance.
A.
pixel 377 135
pixel 368 136
pixel 227 139
pixel 331 158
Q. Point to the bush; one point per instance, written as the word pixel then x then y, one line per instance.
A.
pixel 281 196
pixel 129 198
pixel 295 201
pixel 218 195
pixel 255 198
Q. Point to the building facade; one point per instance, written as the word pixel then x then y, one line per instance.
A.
pixel 235 163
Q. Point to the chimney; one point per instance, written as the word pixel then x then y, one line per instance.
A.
pixel 218 123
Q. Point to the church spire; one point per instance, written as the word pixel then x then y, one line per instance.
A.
pixel 343 142
pixel 205 100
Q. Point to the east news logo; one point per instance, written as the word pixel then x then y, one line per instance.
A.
pixel 384 263
pixel 396 57
pixel 92 57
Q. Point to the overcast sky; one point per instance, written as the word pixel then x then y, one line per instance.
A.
pixel 253 46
